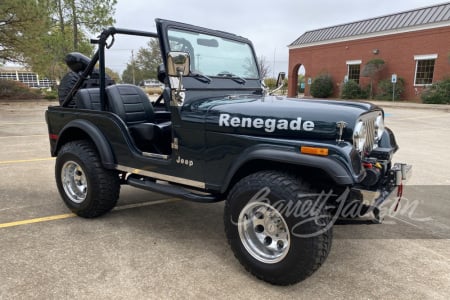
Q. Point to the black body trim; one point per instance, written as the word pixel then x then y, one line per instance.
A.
pixel 333 168
pixel 102 145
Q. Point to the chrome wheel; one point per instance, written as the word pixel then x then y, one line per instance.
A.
pixel 74 181
pixel 264 232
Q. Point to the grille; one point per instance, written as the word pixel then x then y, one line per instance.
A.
pixel 370 131
pixel 370 135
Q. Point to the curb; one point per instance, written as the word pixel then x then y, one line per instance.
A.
pixel 440 107
pixel 397 104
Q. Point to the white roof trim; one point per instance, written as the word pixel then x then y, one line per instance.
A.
pixel 425 56
pixel 354 62
pixel 374 34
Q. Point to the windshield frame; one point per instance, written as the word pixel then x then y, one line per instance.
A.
pixel 219 55
pixel 164 26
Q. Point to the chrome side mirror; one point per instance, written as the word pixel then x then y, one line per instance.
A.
pixel 280 79
pixel 178 65
pixel 280 82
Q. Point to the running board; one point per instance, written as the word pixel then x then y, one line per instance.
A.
pixel 171 190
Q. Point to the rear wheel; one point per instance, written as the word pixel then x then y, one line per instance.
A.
pixel 271 230
pixel 88 189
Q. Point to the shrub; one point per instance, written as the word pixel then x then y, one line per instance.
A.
pixel 322 86
pixel 385 89
pixel 271 83
pixel 365 92
pixel 437 93
pixel 351 90
pixel 10 89
pixel 50 95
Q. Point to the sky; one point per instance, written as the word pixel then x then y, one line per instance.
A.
pixel 270 25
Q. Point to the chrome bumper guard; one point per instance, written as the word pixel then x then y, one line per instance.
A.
pixel 402 173
pixel 372 200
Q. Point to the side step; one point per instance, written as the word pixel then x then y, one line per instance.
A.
pixel 168 189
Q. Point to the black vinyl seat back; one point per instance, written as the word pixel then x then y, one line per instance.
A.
pixel 130 103
pixel 88 99
pixel 133 106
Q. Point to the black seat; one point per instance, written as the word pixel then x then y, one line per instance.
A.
pixel 88 99
pixel 132 105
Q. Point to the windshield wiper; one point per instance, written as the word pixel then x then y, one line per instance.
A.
pixel 232 76
pixel 201 77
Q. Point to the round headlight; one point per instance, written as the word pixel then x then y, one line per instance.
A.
pixel 359 136
pixel 379 126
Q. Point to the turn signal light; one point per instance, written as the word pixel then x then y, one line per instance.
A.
pixel 314 151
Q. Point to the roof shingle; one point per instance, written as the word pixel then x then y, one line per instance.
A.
pixel 402 20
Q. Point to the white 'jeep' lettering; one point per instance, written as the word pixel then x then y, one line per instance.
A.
pixel 269 125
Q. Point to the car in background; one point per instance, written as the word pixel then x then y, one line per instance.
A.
pixel 151 86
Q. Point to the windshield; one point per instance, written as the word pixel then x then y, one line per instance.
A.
pixel 215 56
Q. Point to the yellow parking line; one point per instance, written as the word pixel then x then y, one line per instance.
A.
pixel 25 160
pixel 23 136
pixel 66 216
pixel 37 220
pixel 27 123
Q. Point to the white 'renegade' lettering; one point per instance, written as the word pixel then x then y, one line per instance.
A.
pixel 269 125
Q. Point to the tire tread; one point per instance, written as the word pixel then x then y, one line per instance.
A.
pixel 293 185
pixel 105 182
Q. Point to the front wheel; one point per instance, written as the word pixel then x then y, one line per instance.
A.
pixel 277 227
pixel 88 189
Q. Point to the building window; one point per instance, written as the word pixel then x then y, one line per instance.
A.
pixel 424 69
pixel 29 78
pixel 353 70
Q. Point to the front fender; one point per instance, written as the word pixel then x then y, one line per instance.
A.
pixel 286 155
pixel 92 131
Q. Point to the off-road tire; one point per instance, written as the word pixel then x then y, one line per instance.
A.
pixel 102 186
pixel 66 85
pixel 307 251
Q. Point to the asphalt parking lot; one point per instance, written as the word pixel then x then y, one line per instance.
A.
pixel 153 246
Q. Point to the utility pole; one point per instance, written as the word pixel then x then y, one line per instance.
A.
pixel 273 68
pixel 132 68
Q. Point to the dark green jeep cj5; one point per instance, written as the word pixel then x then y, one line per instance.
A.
pixel 287 168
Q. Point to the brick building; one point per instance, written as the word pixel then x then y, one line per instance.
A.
pixel 414 44
pixel 25 76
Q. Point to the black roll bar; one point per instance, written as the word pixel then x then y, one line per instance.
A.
pixel 99 57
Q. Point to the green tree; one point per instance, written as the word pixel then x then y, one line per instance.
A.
pixel 71 22
pixel 39 33
pixel 21 22
pixel 371 69
pixel 263 65
pixel 81 16
pixel 145 65
pixel 113 75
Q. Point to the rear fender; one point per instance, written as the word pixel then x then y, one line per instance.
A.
pixel 76 129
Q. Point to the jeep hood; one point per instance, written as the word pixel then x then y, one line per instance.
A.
pixel 280 116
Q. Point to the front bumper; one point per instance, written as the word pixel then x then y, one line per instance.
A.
pixel 400 173
pixel 391 187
